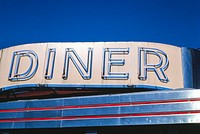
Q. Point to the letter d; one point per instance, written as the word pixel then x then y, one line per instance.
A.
pixel 15 74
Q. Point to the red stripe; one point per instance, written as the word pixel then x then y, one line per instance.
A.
pixel 98 105
pixel 100 116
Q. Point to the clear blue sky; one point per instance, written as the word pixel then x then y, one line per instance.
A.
pixel 175 22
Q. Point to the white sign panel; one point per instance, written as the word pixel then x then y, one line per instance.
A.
pixel 89 64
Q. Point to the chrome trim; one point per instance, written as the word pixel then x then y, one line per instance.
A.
pixel 83 86
pixel 80 114
pixel 187 68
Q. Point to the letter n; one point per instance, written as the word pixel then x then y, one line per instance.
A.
pixel 84 70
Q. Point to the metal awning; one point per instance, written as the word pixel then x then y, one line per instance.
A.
pixel 180 106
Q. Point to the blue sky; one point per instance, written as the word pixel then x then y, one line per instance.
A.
pixel 175 22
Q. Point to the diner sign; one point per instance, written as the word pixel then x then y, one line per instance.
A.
pixel 91 65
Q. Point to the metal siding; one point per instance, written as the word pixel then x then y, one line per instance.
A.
pixel 166 107
pixel 196 67
pixel 187 67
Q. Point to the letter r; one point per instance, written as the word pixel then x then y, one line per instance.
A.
pixel 145 66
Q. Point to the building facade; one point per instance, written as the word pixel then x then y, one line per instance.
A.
pixel 99 87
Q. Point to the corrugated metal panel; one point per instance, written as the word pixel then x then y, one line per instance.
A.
pixel 156 107
pixel 196 67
